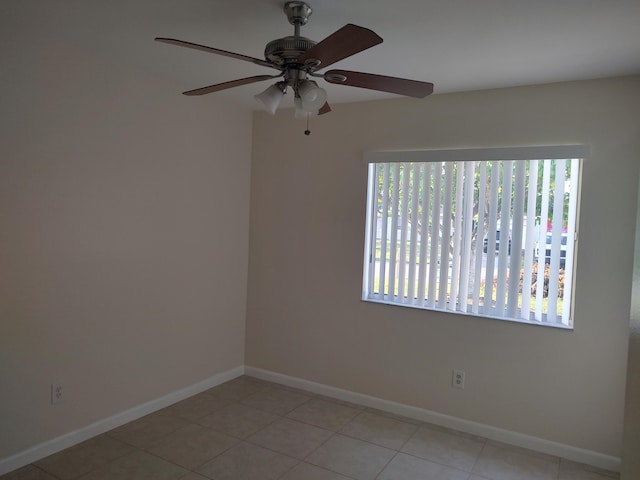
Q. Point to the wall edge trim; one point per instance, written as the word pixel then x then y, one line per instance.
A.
pixel 69 439
pixel 541 445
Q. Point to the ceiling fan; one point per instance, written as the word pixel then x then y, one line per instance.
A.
pixel 297 59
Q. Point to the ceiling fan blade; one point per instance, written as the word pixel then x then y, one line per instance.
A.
pixel 324 109
pixel 195 46
pixel 401 86
pixel 233 83
pixel 343 43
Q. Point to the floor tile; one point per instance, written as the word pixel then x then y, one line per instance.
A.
pixel 501 462
pixel 450 449
pixel 238 420
pixel 458 433
pixel 402 418
pixel 196 407
pixel 84 457
pixel 351 457
pixel 248 462
pixel 139 466
pixel 294 389
pixel 577 471
pixel 526 451
pixel 306 471
pixel 146 430
pixel 340 402
pixel 384 431
pixel 276 400
pixel 256 381
pixel 291 438
pixel 27 473
pixel 323 413
pixel 238 389
pixel 407 467
pixel 191 446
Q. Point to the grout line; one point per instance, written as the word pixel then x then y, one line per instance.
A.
pixel 484 445
pixel 298 462
pixel 415 432
pixel 387 464
pixel 37 467
pixel 318 447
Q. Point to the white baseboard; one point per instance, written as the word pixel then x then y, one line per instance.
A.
pixel 569 452
pixel 72 438
pixel 506 436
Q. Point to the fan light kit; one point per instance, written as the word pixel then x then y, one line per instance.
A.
pixel 298 58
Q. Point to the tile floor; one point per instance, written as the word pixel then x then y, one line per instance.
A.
pixel 248 429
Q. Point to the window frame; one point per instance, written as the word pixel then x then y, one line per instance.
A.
pixel 545 152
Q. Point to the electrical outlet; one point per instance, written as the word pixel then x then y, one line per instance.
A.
pixel 56 393
pixel 457 380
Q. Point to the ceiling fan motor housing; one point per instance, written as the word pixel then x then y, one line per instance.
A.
pixel 287 50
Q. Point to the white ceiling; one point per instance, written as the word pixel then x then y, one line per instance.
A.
pixel 456 44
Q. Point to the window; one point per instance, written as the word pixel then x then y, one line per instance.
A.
pixel 487 232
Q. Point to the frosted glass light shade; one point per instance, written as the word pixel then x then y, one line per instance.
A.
pixel 301 113
pixel 271 98
pixel 312 97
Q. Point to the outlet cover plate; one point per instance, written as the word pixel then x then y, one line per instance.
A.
pixel 457 380
pixel 56 393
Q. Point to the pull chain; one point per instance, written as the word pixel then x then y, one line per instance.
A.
pixel 307 131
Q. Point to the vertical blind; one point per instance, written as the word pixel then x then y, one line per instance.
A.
pixel 485 237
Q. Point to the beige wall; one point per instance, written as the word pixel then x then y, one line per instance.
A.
pixel 304 313
pixel 124 215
